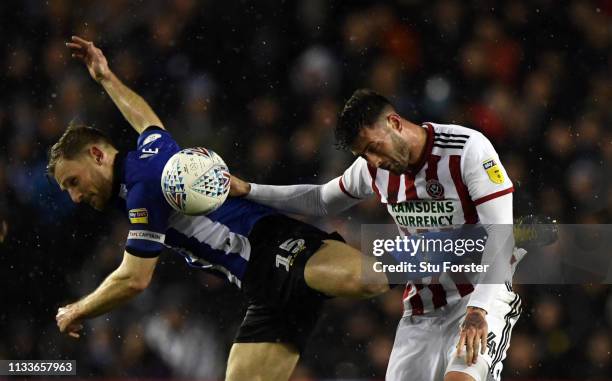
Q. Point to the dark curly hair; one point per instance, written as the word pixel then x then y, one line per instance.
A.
pixel 361 110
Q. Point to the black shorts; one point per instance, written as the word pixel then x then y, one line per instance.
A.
pixel 282 308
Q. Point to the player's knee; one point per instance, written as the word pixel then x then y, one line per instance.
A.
pixel 373 289
pixel 359 287
pixel 363 286
pixel 340 273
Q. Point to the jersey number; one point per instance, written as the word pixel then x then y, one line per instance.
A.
pixel 293 246
pixel 148 152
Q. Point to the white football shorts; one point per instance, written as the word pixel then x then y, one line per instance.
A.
pixel 425 346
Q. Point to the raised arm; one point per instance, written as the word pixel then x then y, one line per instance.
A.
pixel 128 280
pixel 133 108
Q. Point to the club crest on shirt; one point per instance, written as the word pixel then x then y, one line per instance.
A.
pixel 434 189
pixel 139 216
pixel 493 171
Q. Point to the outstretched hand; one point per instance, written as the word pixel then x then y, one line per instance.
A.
pixel 92 56
pixel 238 187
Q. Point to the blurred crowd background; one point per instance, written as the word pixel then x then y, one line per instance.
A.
pixel 261 82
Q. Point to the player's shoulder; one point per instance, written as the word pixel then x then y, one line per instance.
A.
pixel 453 139
pixel 154 148
pixel 357 167
pixel 359 162
pixel 155 137
pixel 454 131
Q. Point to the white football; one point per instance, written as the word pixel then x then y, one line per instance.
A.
pixel 195 181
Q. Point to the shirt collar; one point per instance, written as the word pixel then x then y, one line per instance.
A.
pixel 427 151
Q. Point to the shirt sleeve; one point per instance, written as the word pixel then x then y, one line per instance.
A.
pixel 483 172
pixel 154 140
pixel 487 180
pixel 356 181
pixel 148 214
pixel 305 199
pixel 331 198
pixel 496 217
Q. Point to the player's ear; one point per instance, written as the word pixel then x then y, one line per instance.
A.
pixel 97 154
pixel 394 121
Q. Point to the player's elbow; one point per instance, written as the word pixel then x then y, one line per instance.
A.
pixel 150 122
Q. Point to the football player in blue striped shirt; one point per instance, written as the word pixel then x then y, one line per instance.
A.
pixel 285 267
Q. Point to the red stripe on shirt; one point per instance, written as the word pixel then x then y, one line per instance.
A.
pixel 343 189
pixel 469 209
pixel 411 193
pixel 428 147
pixel 373 171
pixel 438 293
pixel 463 284
pixel 431 173
pixel 493 195
pixel 416 303
pixel 393 188
pixel 407 291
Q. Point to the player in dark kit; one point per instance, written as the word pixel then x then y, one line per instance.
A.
pixel 285 267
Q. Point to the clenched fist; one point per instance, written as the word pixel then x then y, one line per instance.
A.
pixel 68 320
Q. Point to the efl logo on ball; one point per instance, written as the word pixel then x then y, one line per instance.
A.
pixel 195 181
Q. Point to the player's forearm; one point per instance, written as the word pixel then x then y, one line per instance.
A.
pixel 114 291
pixel 300 199
pixel 496 217
pixel 497 255
pixel 305 199
pixel 132 106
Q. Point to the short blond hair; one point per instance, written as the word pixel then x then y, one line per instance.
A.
pixel 73 142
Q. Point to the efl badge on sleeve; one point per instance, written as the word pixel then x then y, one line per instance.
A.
pixel 494 171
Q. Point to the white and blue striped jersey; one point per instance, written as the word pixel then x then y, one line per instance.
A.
pixel 217 241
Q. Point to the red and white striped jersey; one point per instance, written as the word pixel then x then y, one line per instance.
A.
pixel 458 171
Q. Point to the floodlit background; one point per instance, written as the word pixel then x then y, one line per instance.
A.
pixel 261 82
